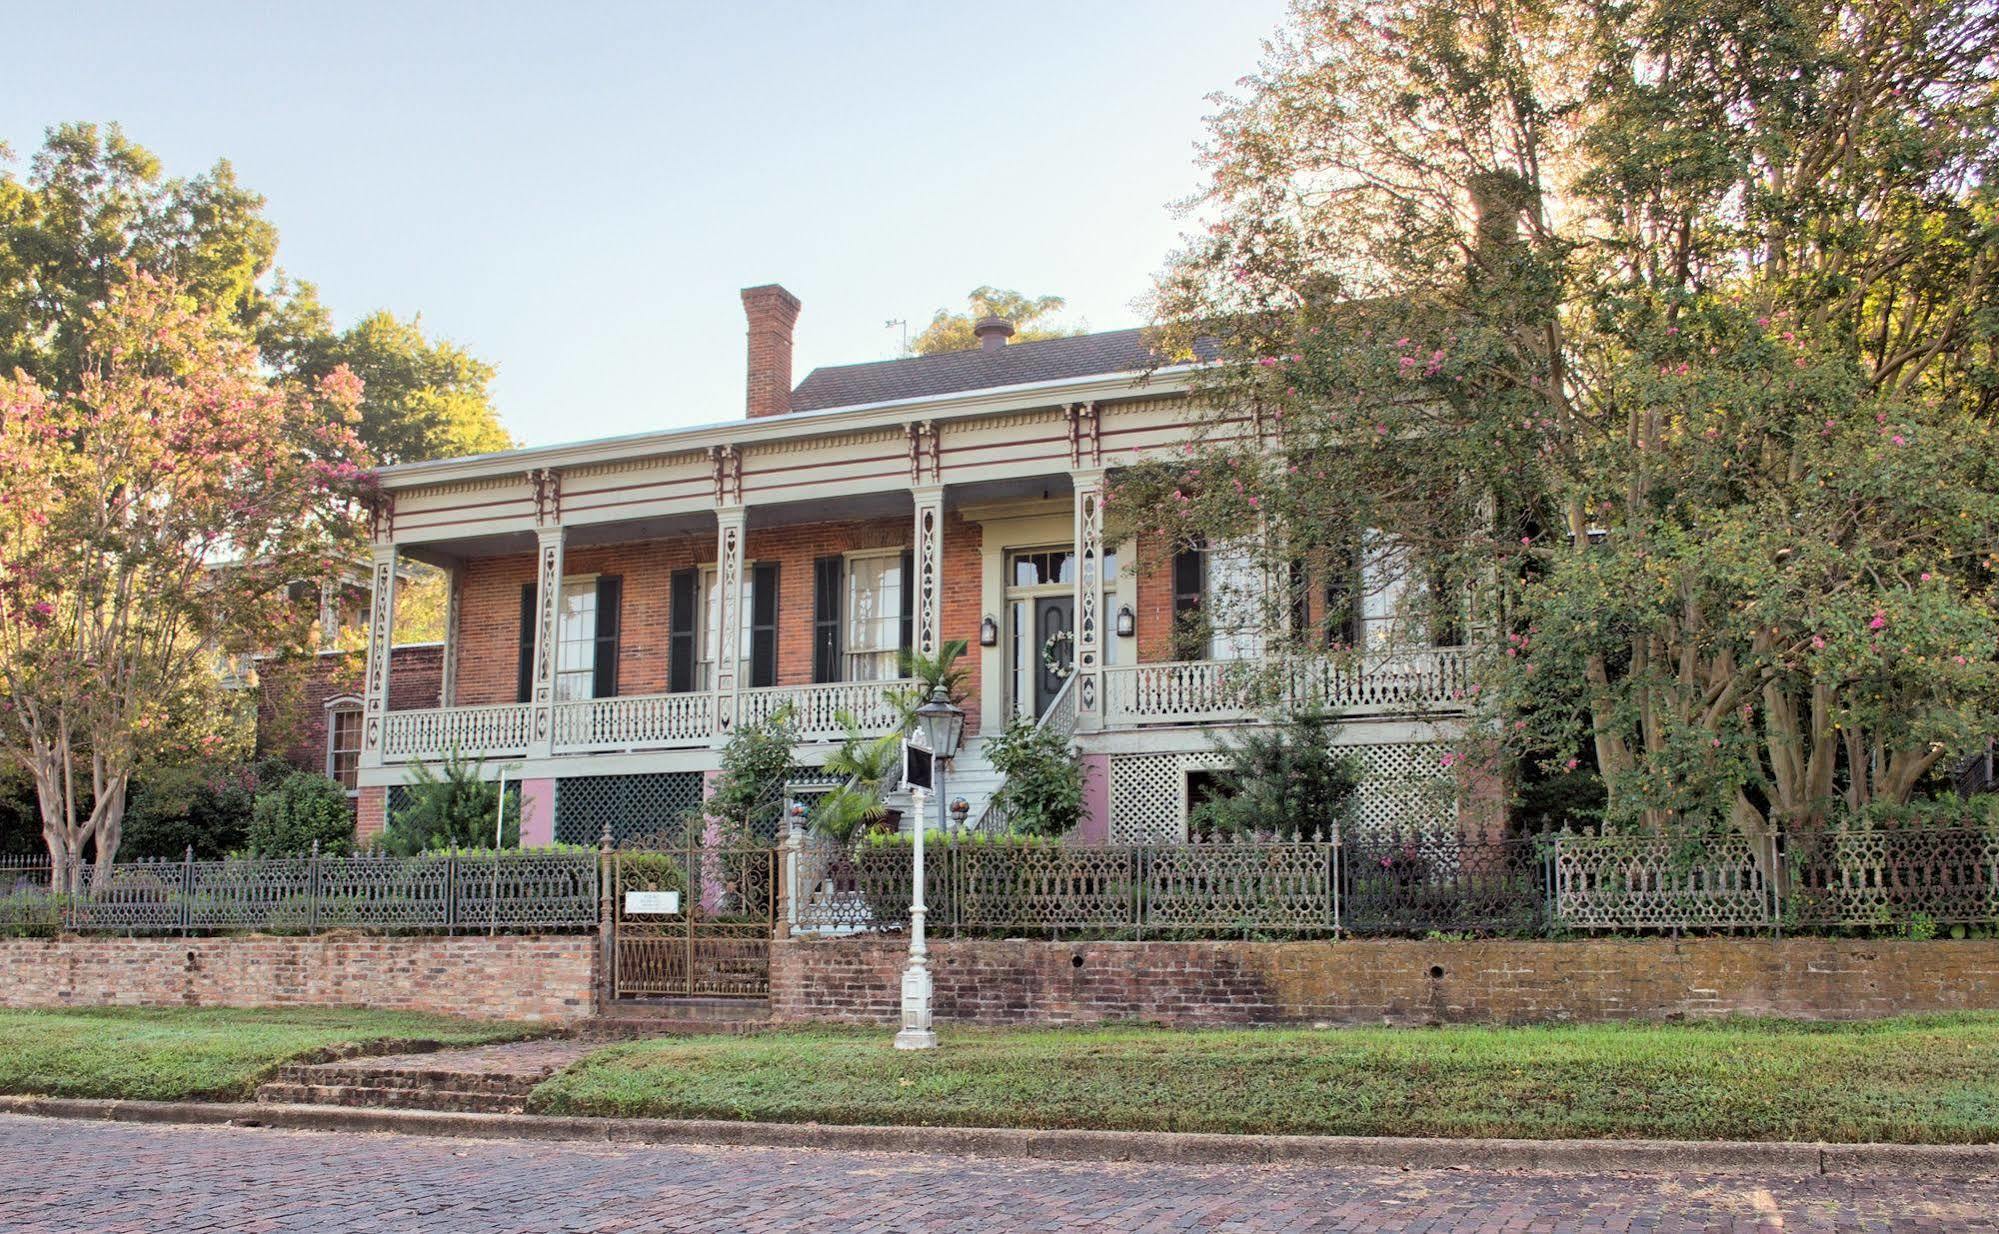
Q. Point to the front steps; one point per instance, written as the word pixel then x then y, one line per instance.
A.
pixel 496 1079
pixel 629 1019
pixel 490 1079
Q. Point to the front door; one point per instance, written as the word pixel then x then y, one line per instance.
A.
pixel 1055 645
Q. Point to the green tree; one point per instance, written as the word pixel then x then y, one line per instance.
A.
pixel 1043 790
pixel 949 331
pixel 1663 332
pixel 97 206
pixel 455 806
pixel 420 398
pixel 1288 781
pixel 748 797
pixel 868 767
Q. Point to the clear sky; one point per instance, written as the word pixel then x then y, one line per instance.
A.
pixel 576 193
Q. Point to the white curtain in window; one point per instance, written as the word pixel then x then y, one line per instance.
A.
pixel 576 643
pixel 873 623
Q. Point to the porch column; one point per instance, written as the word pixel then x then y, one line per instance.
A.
pixel 731 526
pixel 547 615
pixel 928 609
pixel 381 640
pixel 447 687
pixel 1089 486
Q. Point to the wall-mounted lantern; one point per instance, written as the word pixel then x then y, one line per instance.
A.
pixel 1126 623
pixel 989 632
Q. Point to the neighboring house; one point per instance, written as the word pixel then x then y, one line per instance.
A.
pixel 618 606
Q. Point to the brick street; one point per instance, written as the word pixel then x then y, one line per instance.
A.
pixel 67 1176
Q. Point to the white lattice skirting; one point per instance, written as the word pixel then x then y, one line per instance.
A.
pixel 1403 791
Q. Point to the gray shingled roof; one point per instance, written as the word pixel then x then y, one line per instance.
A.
pixel 1057 359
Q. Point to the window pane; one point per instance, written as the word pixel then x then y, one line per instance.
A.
pixel 1233 602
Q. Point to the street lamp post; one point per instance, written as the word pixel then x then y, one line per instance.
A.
pixel 941 725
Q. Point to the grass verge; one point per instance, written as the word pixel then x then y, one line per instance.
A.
pixel 1915 1080
pixel 180 1054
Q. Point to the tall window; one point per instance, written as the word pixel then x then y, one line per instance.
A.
pixel 1234 596
pixel 871 632
pixel 576 641
pixel 343 746
pixel 1391 596
pixel 711 629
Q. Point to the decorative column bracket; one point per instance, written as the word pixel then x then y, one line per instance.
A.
pixel 381 641
pixel 548 613
pixel 731 528
pixel 1089 486
pixel 928 556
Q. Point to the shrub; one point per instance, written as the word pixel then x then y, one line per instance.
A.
pixel 1286 781
pixel 455 809
pixel 749 793
pixel 1043 792
pixel 303 809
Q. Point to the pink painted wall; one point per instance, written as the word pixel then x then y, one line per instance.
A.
pixel 1095 827
pixel 537 813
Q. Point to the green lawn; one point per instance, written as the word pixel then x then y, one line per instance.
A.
pixel 174 1054
pixel 1923 1080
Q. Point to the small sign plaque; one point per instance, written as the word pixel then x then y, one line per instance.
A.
pixel 663 903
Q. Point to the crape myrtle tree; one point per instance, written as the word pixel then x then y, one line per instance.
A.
pixel 1659 334
pixel 158 505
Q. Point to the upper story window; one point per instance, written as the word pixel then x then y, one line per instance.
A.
pixel 576 641
pixel 1234 601
pixel 711 628
pixel 343 746
pixel 871 634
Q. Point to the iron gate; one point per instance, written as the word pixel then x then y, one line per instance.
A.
pixel 692 922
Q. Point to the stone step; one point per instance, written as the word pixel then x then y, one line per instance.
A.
pixel 704 1009
pixel 402 1081
pixel 452 1100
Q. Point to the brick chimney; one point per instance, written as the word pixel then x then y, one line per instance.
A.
pixel 772 311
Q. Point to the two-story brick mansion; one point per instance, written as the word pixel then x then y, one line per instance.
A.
pixel 617 606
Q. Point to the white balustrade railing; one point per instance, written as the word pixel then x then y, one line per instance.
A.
pixel 1195 691
pixel 475 732
pixel 635 722
pixel 816 709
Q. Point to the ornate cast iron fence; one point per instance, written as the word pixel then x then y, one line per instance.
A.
pixel 986 885
pixel 692 921
pixel 530 890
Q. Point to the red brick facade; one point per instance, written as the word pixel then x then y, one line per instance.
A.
pixel 293 693
pixel 547 978
pixel 1385 982
pixel 489 627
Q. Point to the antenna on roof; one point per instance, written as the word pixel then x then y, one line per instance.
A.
pixel 891 324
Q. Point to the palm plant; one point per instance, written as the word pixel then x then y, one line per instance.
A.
pixel 869 766
pixel 929 673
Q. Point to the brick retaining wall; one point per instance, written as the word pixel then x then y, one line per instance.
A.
pixel 1016 982
pixel 502 978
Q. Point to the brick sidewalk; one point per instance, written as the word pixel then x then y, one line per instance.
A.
pixel 66 1176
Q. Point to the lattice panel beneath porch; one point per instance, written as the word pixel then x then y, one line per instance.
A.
pixel 637 807
pixel 1404 791
pixel 1149 796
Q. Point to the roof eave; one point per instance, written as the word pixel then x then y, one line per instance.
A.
pixel 1171 379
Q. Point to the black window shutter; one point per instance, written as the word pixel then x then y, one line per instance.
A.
pixel 1301 602
pixel 524 669
pixel 1187 581
pixel 610 595
pixel 908 600
pixel 1343 604
pixel 827 580
pixel 680 619
pixel 763 624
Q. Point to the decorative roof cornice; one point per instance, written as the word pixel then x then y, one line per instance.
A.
pixel 799 424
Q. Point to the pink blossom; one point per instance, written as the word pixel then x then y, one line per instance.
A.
pixel 1880 620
